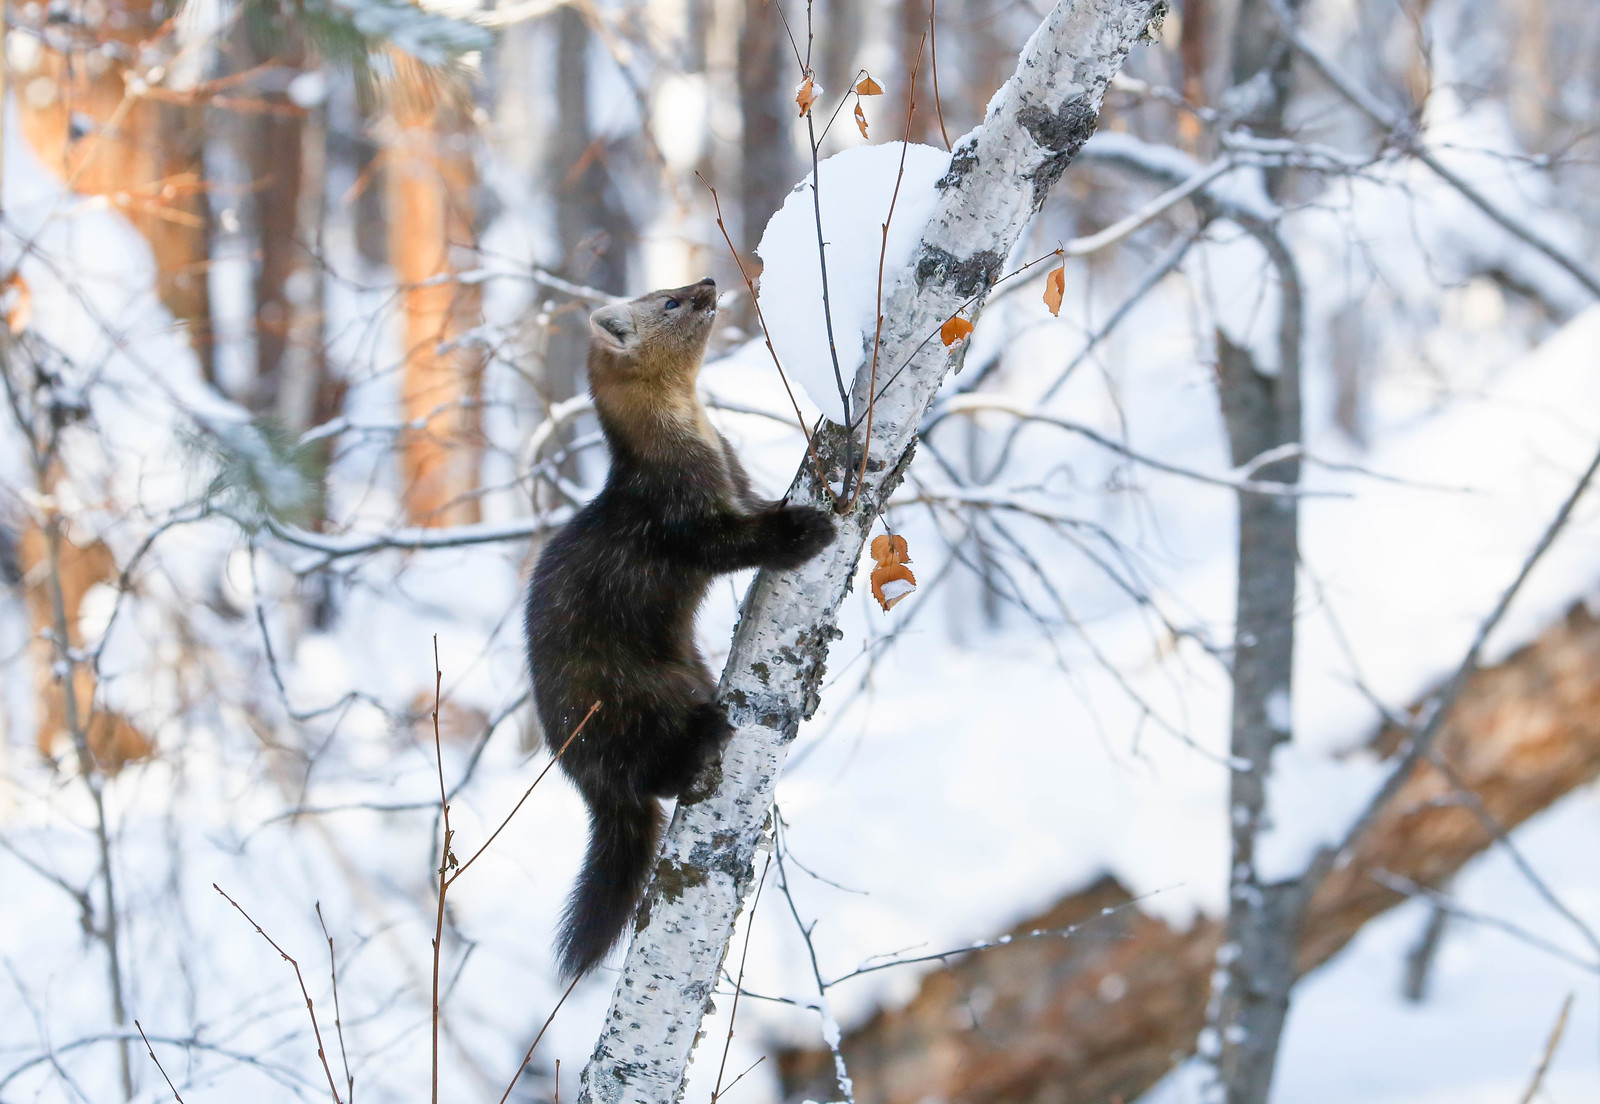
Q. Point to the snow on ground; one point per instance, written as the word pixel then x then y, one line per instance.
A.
pixel 952 782
pixel 1491 1005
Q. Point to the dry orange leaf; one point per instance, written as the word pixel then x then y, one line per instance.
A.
pixel 806 95
pixel 954 329
pixel 890 548
pixel 16 299
pixel 1055 287
pixel 892 580
pixel 869 87
pixel 861 120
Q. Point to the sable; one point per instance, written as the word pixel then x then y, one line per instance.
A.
pixel 610 614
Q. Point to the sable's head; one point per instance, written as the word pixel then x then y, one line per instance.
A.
pixel 657 339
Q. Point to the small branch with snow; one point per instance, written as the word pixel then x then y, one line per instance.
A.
pixel 1238 480
pixel 410 539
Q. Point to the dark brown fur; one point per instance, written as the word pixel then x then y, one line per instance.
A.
pixel 610 614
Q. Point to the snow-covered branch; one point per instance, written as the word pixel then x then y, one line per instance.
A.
pixel 999 175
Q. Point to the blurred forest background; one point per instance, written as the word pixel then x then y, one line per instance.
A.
pixel 296 296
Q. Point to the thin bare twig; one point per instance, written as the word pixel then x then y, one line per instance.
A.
pixel 1003 941
pixel 969 404
pixel 338 546
pixel 338 1021
pixel 1502 838
pixel 526 1058
pixel 970 300
pixel 811 448
pixel 151 1051
pixel 1549 1051
pixel 822 260
pixel 446 861
pixel 1160 205
pixel 733 1014
pixel 1422 742
pixel 1451 907
pixel 933 51
pixel 830 1036
pixel 883 252
pixel 852 92
pixel 310 1009
pixel 740 1078
pixel 556 758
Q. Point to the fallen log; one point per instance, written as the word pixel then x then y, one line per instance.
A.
pixel 1103 1015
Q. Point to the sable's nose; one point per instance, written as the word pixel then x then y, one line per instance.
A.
pixel 705 294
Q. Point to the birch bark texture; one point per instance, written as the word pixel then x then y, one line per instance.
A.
pixel 999 176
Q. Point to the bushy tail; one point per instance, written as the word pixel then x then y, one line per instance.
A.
pixel 622 843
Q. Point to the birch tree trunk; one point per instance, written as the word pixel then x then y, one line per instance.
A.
pixel 999 176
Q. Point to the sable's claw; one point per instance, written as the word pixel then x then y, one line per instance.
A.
pixel 798 533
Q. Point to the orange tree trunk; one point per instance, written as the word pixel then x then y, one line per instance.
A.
pixel 431 175
pixel 142 152
pixel 112 741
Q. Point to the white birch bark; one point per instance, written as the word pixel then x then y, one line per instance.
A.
pixel 999 175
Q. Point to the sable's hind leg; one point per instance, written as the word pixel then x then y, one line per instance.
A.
pixel 700 739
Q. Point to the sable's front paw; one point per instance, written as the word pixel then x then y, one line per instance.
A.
pixel 796 533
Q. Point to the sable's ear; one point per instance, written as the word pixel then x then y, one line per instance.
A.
pixel 613 327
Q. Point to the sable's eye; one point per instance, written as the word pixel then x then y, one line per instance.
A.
pixel 672 304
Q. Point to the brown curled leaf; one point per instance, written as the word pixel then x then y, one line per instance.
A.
pixel 892 580
pixel 891 584
pixel 888 548
pixel 869 87
pixel 1055 288
pixel 954 329
pixel 806 95
pixel 16 300
pixel 861 121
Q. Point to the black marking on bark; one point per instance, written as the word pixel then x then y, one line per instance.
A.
pixel 833 445
pixel 1062 133
pixel 722 853
pixel 810 654
pixel 962 161
pixel 964 277
pixel 1152 29
pixel 674 879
